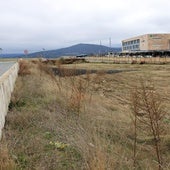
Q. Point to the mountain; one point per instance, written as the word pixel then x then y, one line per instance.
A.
pixel 10 55
pixel 75 50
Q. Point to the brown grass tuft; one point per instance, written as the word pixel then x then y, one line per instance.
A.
pixel 24 68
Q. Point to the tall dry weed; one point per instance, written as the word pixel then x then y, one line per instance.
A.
pixel 148 114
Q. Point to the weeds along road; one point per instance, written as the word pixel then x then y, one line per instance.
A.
pixel 4 66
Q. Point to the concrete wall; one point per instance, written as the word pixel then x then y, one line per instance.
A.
pixel 7 82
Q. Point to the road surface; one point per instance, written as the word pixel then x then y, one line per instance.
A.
pixel 4 66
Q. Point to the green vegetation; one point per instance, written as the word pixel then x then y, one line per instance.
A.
pixel 86 121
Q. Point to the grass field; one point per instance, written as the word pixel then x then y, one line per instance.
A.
pixel 86 121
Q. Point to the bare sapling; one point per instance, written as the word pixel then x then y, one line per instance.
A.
pixel 148 111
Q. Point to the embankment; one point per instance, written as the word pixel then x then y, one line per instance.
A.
pixel 7 82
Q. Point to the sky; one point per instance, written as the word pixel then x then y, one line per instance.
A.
pixel 51 24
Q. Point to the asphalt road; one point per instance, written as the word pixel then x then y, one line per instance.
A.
pixel 4 66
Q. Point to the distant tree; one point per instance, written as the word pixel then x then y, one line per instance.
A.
pixel 26 52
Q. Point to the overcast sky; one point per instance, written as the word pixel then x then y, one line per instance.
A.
pixel 52 24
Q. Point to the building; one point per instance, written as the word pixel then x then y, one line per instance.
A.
pixel 147 42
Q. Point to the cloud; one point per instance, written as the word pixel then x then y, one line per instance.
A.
pixel 53 24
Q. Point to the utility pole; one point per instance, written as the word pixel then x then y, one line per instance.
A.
pixel 100 49
pixel 110 44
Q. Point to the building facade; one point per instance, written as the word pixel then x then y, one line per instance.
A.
pixel 147 42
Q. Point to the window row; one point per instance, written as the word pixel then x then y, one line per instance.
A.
pixel 137 41
pixel 132 47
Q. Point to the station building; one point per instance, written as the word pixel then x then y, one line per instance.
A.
pixel 147 42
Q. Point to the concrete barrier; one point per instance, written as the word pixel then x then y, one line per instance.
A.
pixel 7 82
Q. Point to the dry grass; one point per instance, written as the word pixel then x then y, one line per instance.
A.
pixel 81 122
pixel 6 163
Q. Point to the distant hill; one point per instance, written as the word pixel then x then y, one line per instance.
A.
pixel 75 50
pixel 10 55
